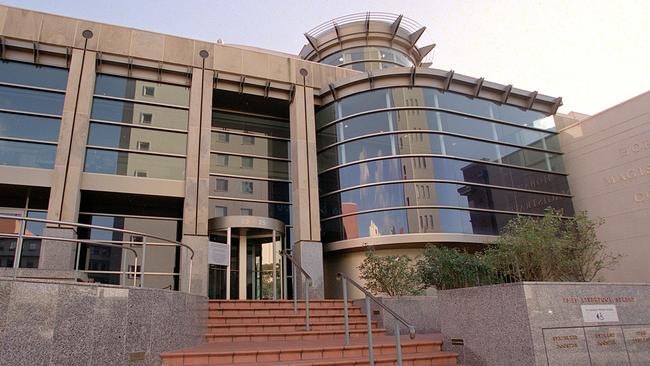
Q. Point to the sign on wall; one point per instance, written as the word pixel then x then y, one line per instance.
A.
pixel 599 313
pixel 218 253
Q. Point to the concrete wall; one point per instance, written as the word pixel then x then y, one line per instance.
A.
pixel 46 323
pixel 607 157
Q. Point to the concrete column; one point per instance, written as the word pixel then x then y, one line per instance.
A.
pixel 197 180
pixel 243 264
pixel 308 250
pixel 66 178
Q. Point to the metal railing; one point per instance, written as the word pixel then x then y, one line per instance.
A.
pixel 406 23
pixel 371 354
pixel 308 283
pixel 21 235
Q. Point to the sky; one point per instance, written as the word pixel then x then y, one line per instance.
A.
pixel 593 53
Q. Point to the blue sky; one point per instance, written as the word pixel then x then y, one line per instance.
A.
pixel 593 53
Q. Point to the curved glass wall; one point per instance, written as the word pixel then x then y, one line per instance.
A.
pixel 368 58
pixel 399 160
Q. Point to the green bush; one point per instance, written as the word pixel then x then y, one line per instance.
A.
pixel 393 275
pixel 447 268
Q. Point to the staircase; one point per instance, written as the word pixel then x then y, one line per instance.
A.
pixel 250 332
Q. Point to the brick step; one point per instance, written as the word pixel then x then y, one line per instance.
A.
pixel 273 319
pixel 285 327
pixel 258 304
pixel 288 336
pixel 416 359
pixel 283 311
pixel 311 351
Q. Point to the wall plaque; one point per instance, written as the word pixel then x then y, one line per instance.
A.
pixel 218 253
pixel 599 313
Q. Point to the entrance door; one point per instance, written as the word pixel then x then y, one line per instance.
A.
pixel 255 270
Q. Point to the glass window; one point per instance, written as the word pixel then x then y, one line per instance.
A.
pixel 220 211
pixel 265 191
pixel 26 154
pixel 246 162
pixel 29 127
pixel 263 168
pixel 33 75
pixel 220 159
pixel 36 101
pixel 363 102
pixel 121 87
pixel 248 140
pixel 137 138
pixel 123 163
pixel 135 113
pixel 246 212
pixel 245 123
pixel 221 185
pixel 278 211
pixel 247 187
pixel 257 146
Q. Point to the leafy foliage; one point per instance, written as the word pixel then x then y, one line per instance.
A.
pixel 393 275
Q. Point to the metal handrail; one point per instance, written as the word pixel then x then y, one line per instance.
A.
pixel 406 23
pixel 20 236
pixel 308 283
pixel 398 344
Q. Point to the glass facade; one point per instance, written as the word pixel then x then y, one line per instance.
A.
pixel 420 160
pixel 368 58
pixel 138 128
pixel 249 166
pixel 31 104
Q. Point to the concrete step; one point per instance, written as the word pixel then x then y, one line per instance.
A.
pixel 417 359
pixel 286 327
pixel 287 304
pixel 287 336
pixel 282 311
pixel 272 318
pixel 303 352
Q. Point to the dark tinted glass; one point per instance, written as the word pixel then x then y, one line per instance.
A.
pixel 137 139
pixel 277 211
pixel 244 123
pixel 134 164
pixel 36 101
pixel 31 155
pixel 33 75
pixel 141 90
pixel 262 190
pixel 240 165
pixel 357 150
pixel 443 194
pixel 251 145
pixel 408 221
pixel 29 127
pixel 150 115
pixel 362 102
pixel 31 249
pixel 441 168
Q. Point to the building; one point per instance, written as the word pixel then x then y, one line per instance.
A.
pixel 353 142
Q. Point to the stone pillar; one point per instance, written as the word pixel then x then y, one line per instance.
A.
pixel 66 176
pixel 197 180
pixel 308 249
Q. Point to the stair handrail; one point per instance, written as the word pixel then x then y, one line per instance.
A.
pixel 308 283
pixel 398 344
pixel 66 224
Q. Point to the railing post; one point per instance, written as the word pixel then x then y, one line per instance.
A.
pixel 189 280
pixel 285 275
pixel 346 318
pixel 398 344
pixel 295 290
pixel 371 352
pixel 19 244
pixel 307 283
pixel 275 274
pixel 135 271
pixel 144 256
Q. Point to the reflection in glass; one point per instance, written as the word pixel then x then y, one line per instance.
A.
pixel 221 207
pixel 136 113
pixel 441 168
pixel 27 154
pixel 250 124
pixel 36 101
pixel 134 164
pixel 368 53
pixel 243 144
pixel 141 90
pixel 29 127
pixel 34 75
pixel 261 189
pixel 137 138
pixel 262 168
pixel 411 221
pixel 443 194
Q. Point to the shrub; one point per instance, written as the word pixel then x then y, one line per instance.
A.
pixel 447 268
pixel 393 275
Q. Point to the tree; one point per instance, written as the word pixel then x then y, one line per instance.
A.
pixel 447 268
pixel 550 248
pixel 393 275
